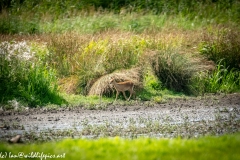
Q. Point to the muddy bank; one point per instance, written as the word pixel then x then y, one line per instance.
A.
pixel 185 117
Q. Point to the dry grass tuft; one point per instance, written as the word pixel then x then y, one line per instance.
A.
pixel 101 86
pixel 68 85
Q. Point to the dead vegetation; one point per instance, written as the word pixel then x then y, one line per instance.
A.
pixel 101 86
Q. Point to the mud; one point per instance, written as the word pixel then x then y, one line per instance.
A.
pixel 184 117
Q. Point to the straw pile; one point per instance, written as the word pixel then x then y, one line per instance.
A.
pixel 102 86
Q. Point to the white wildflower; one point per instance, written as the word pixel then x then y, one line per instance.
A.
pixel 18 50
pixel 14 103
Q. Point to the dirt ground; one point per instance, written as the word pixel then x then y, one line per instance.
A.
pixel 184 117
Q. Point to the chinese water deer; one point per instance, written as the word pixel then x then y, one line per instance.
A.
pixel 122 87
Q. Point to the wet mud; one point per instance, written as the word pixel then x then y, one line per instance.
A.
pixel 182 117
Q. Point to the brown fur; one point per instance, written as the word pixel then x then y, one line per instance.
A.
pixel 122 87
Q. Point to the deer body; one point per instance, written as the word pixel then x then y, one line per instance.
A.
pixel 122 87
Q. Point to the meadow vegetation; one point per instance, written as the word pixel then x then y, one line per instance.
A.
pixel 223 147
pixel 188 47
pixel 62 53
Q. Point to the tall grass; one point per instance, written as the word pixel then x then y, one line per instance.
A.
pixel 95 16
pixel 221 80
pixel 174 70
pixel 90 39
pixel 13 24
pixel 68 8
pixel 222 45
pixel 24 78
pixel 134 22
pixel 91 58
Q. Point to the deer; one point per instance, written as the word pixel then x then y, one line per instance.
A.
pixel 122 87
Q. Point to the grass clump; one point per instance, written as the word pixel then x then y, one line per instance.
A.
pixel 174 70
pixel 102 85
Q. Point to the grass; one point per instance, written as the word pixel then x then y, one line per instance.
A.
pixel 70 46
pixel 221 80
pixel 88 17
pixel 130 22
pixel 88 102
pixel 174 70
pixel 222 147
pixel 222 45
pixel 77 44
pixel 66 57
pixel 25 79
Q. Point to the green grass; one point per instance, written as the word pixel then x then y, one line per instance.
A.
pixel 221 148
pixel 91 39
pixel 222 45
pixel 135 16
pixel 88 102
pixel 137 23
pixel 221 80
pixel 87 40
pixel 24 78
